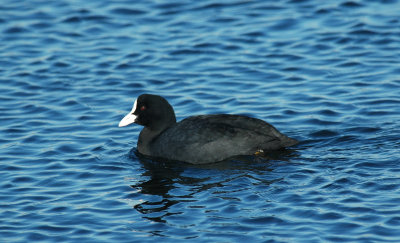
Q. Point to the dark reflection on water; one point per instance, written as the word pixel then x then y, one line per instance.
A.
pixel 162 178
pixel 166 176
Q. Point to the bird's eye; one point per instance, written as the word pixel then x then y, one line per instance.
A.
pixel 142 108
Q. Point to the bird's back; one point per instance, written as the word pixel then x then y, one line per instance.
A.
pixel 211 138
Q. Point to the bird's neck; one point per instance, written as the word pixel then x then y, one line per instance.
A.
pixel 148 135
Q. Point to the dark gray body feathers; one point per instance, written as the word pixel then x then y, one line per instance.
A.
pixel 210 138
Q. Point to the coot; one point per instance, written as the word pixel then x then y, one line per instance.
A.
pixel 199 139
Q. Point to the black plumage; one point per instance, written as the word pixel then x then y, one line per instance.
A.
pixel 201 139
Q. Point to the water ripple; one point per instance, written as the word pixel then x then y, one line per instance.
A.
pixel 325 73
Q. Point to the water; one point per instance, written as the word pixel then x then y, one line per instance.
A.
pixel 324 72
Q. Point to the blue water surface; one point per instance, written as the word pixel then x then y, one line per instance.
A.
pixel 324 72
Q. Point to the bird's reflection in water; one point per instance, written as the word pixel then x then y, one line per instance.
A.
pixel 172 183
